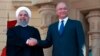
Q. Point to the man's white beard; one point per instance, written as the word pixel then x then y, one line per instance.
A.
pixel 23 23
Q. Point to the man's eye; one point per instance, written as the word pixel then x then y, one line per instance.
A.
pixel 20 14
pixel 62 9
pixel 25 14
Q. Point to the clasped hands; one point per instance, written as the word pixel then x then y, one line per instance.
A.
pixel 31 42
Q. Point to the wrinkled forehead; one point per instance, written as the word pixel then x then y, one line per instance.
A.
pixel 61 5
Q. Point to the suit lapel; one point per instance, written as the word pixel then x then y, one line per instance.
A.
pixel 56 29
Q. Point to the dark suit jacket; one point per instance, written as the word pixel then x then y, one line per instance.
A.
pixel 69 43
pixel 16 41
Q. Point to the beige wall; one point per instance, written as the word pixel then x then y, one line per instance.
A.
pixel 3 19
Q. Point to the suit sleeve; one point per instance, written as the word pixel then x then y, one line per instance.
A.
pixel 13 40
pixel 48 42
pixel 80 37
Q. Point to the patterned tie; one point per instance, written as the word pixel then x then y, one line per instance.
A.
pixel 61 27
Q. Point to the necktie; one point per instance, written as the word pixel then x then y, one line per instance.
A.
pixel 61 27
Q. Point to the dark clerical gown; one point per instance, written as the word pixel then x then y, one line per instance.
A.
pixel 16 41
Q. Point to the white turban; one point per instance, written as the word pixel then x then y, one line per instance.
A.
pixel 25 9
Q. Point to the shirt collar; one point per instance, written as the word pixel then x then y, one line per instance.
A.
pixel 65 20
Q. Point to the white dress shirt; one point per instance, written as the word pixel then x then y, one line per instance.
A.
pixel 64 20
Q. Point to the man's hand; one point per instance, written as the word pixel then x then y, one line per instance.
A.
pixel 31 42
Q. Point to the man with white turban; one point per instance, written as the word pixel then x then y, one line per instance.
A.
pixel 20 20
pixel 20 40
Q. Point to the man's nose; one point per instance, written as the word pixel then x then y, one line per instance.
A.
pixel 22 16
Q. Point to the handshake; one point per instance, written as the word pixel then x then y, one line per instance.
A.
pixel 31 42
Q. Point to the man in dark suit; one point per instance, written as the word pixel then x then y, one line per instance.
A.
pixel 66 35
pixel 20 38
